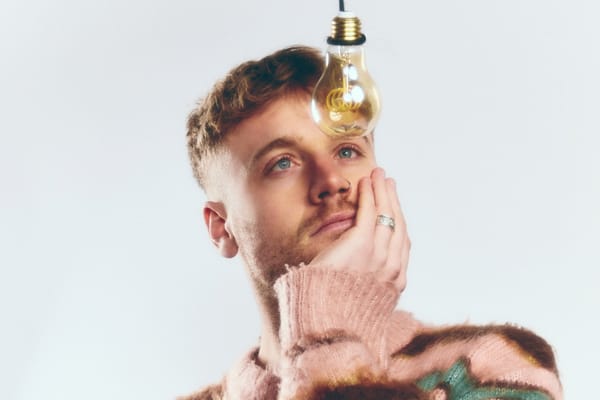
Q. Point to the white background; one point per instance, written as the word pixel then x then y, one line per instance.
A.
pixel 109 288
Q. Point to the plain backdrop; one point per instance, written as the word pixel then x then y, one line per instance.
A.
pixel 109 287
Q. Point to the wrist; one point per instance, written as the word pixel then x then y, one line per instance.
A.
pixel 322 304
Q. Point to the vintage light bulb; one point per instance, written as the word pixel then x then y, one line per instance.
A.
pixel 345 101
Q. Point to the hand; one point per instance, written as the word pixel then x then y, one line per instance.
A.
pixel 368 247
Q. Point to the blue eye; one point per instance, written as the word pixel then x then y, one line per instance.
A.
pixel 346 152
pixel 283 163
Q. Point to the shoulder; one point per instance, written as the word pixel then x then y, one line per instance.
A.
pixel 213 392
pixel 523 342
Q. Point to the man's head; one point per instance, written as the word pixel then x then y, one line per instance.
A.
pixel 279 190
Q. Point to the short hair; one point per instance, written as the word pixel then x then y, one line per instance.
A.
pixel 244 92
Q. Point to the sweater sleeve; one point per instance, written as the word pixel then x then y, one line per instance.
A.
pixel 332 329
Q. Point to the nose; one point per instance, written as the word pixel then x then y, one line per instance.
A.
pixel 327 182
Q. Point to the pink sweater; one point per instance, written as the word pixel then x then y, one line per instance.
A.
pixel 342 339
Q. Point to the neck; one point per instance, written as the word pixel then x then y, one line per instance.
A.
pixel 269 352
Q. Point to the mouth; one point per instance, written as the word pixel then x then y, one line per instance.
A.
pixel 336 222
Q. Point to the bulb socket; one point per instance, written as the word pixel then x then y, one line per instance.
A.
pixel 345 31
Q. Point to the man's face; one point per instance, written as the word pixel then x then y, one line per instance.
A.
pixel 288 189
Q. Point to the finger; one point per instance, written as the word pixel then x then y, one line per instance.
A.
pixel 379 189
pixel 400 244
pixel 400 281
pixel 365 214
pixel 383 233
pixel 396 207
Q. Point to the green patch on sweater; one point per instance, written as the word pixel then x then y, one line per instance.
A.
pixel 459 385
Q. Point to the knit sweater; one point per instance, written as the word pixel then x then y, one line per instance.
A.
pixel 342 339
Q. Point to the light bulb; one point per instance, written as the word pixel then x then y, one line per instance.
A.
pixel 345 101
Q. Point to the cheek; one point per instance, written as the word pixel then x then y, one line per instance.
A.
pixel 279 211
pixel 362 170
pixel 285 191
pixel 369 164
pixel 272 200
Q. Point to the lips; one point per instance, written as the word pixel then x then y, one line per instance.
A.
pixel 341 220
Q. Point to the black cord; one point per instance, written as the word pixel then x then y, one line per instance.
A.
pixel 342 8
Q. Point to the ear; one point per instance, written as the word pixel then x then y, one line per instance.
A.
pixel 215 218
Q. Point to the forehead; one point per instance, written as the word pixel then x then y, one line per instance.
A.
pixel 285 121
pixel 285 116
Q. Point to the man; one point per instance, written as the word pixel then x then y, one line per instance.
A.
pixel 321 233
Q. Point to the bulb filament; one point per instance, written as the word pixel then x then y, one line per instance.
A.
pixel 344 99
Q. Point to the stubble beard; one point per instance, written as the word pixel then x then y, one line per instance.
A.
pixel 273 255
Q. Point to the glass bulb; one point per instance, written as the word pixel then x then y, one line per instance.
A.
pixel 345 101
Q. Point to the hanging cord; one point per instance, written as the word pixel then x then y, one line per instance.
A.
pixel 342 8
